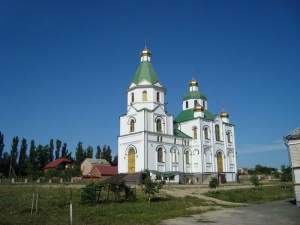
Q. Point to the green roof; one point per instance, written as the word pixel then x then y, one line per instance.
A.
pixel 188 114
pixel 194 95
pixel 179 133
pixel 145 71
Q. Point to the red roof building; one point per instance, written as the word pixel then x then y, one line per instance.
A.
pixel 103 171
pixel 60 164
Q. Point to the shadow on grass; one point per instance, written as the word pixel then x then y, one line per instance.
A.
pixel 160 199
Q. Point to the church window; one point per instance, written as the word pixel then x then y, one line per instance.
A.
pixel 206 133
pixel 229 137
pixel 132 97
pixel 187 157
pixel 195 132
pixel 131 125
pixel 144 95
pixel 217 130
pixel 158 125
pixel 160 155
pixel 186 104
pixel 157 138
pixel 174 140
pixel 204 104
pixel 195 102
pixel 157 97
pixel 161 138
pixel 175 156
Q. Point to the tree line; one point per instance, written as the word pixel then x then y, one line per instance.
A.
pixel 17 162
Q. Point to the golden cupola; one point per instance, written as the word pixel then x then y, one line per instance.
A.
pixel 146 55
pixel 193 83
pixel 198 108
pixel 224 114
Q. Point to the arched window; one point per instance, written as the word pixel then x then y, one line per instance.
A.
pixel 132 97
pixel 217 130
pixel 187 157
pixel 229 137
pixel 206 133
pixel 186 104
pixel 174 155
pixel 157 97
pixel 158 125
pixel 195 102
pixel 195 132
pixel 160 155
pixel 132 125
pixel 144 95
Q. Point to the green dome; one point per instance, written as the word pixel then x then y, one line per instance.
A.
pixel 194 95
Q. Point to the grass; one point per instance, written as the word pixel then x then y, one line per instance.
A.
pixel 254 196
pixel 53 207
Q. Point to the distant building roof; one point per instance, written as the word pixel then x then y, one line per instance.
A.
pixel 57 162
pixel 107 170
pixel 98 161
pixel 294 135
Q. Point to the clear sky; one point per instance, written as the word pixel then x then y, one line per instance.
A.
pixel 65 67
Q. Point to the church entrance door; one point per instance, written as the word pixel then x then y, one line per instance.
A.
pixel 220 162
pixel 131 161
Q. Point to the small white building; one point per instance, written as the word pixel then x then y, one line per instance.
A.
pixel 188 148
pixel 292 141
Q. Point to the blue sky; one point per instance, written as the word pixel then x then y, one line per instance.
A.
pixel 65 67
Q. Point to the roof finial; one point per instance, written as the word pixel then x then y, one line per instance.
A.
pixel 145 43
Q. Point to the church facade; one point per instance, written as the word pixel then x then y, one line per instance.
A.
pixel 189 148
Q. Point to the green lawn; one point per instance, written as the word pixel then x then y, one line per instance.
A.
pixel 53 208
pixel 53 205
pixel 254 196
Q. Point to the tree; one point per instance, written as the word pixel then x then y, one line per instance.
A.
pixel 6 162
pixel 213 184
pixel 58 145
pixel 89 152
pixel 255 181
pixel 115 160
pixel 50 151
pixel 1 148
pixel 14 152
pixel 106 154
pixel 98 153
pixel 31 158
pixel 286 175
pixel 150 187
pixel 64 151
pixel 23 158
pixel 79 155
pixel 41 157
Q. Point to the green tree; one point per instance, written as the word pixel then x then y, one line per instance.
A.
pixel 31 166
pixel 106 154
pixel 64 151
pixel 115 161
pixel 42 157
pixel 89 152
pixel 98 153
pixel 150 187
pixel 50 151
pixel 23 158
pixel 80 154
pixel 6 161
pixel 14 153
pixel 58 146
pixel 213 184
pixel 1 148
pixel 286 175
pixel 255 181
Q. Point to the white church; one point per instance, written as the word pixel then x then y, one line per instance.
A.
pixel 189 148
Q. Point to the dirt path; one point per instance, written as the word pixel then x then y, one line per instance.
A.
pixel 199 190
